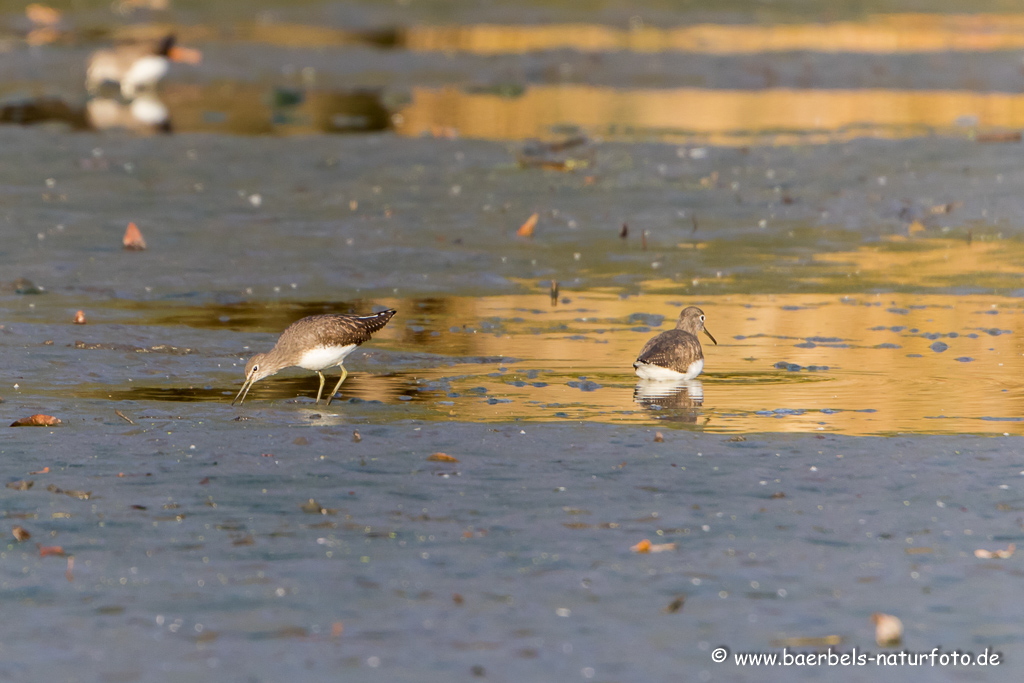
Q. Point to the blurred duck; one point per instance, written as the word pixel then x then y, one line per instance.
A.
pixel 136 67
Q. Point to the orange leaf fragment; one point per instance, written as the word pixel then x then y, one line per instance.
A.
pixel 20 533
pixel 983 554
pixel 80 317
pixel 133 238
pixel 39 420
pixel 441 457
pixel 526 229
pixel 45 470
pixel 645 546
pixel 42 15
pixel 45 550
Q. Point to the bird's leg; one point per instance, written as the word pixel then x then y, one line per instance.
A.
pixel 321 389
pixel 344 374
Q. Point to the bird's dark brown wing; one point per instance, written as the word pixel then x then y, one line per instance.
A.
pixel 673 349
pixel 347 329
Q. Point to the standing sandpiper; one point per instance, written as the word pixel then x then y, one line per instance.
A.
pixel 675 354
pixel 314 343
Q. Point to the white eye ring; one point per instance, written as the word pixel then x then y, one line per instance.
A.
pixel 702 318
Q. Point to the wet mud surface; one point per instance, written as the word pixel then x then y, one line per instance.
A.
pixel 200 553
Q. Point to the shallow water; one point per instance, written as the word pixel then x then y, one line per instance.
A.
pixel 853 440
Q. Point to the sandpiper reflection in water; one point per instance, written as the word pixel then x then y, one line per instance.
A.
pixel 678 400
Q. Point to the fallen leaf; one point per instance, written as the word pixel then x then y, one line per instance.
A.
pixel 336 629
pixel 79 317
pixel 675 605
pixel 45 470
pixel 356 438
pixel 39 420
pixel 888 629
pixel 123 417
pixel 441 457
pixel 658 438
pixel 20 533
pixel 987 554
pixel 645 546
pixel 526 229
pixel 45 550
pixel 457 599
pixel 133 240
pixel 20 485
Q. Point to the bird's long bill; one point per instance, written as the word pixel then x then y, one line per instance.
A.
pixel 709 334
pixel 244 390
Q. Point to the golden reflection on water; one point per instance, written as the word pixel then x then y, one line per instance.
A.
pixel 856 363
pixel 875 34
pixel 720 117
pixel 873 366
pixel 885 33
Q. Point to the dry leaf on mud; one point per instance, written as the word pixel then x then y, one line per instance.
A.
pixel 20 533
pixel 526 229
pixel 676 605
pixel 983 554
pixel 39 420
pixel 45 550
pixel 80 317
pixel 645 546
pixel 133 240
pixel 441 457
pixel 888 629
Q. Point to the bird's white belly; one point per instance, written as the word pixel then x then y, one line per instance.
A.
pixel 660 374
pixel 143 72
pixel 325 356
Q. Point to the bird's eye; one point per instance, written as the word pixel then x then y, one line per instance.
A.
pixel 255 368
pixel 702 318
